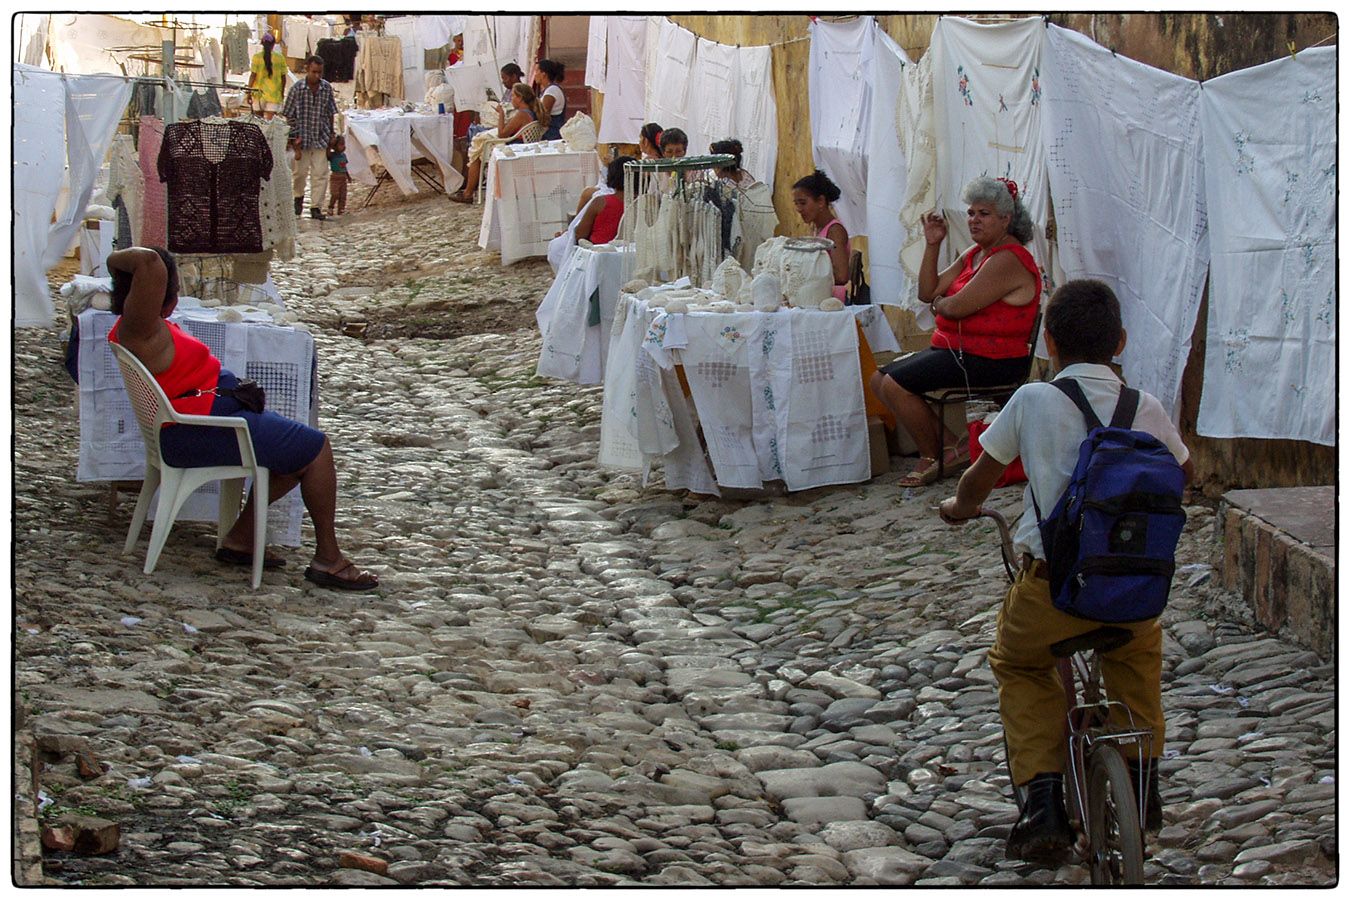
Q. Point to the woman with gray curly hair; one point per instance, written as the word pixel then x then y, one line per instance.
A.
pixel 985 305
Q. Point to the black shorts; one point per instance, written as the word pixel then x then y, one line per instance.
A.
pixel 934 369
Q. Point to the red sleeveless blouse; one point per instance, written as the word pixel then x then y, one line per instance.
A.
pixel 193 368
pixel 605 228
pixel 999 331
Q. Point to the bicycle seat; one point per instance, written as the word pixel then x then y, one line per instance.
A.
pixel 1103 639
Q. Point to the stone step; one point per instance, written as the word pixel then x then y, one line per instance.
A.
pixel 1277 547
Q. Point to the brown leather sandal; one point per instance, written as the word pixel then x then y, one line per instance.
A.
pixel 925 472
pixel 360 581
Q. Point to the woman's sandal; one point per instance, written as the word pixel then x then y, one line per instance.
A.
pixel 925 472
pixel 241 558
pixel 362 581
pixel 459 198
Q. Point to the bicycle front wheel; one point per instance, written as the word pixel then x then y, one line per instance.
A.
pixel 1116 843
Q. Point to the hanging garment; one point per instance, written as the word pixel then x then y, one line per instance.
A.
pixel 1270 184
pixel 839 82
pixel 405 28
pixel 597 42
pixel 212 64
pixel 379 66
pixel 1124 154
pixel 126 184
pixel 885 174
pixel 987 118
pixel 573 312
pixel 437 31
pixel 234 40
pixel 154 228
pixel 39 158
pixel 758 218
pixel 276 209
pixel 712 93
pixel 755 116
pixel 339 58
pixel 914 129
pixel 83 42
pixel 202 103
pixel 36 49
pixel 717 367
pixel 625 90
pixel 670 77
pixel 214 174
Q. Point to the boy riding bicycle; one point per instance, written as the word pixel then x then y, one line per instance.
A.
pixel 1045 428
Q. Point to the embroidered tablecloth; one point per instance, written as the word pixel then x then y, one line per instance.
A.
pixel 531 196
pixel 394 139
pixel 281 359
pixel 576 316
pixel 778 396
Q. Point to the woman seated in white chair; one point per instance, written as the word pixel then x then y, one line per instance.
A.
pixel 145 292
pixel 527 111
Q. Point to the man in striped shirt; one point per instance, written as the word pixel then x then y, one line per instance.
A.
pixel 310 108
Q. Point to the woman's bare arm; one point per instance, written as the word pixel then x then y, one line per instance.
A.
pixel 999 276
pixel 839 252
pixel 142 330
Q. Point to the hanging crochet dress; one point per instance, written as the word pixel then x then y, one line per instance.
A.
pixel 214 174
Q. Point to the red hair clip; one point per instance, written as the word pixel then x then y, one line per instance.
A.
pixel 1011 186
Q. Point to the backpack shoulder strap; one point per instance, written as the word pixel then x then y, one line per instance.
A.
pixel 1126 408
pixel 1069 387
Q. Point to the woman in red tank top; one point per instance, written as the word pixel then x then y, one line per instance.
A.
pixel 599 224
pixel 145 292
pixel 984 305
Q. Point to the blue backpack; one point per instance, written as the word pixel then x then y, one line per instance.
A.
pixel 1111 540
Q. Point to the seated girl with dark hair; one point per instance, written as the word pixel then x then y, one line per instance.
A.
pixel 812 197
pixel 600 222
pixel 145 292
pixel 552 98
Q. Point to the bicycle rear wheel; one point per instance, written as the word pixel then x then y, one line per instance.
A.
pixel 1115 841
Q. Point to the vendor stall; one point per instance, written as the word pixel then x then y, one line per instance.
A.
pixel 281 359
pixel 577 314
pixel 532 193
pixel 778 396
pixel 394 138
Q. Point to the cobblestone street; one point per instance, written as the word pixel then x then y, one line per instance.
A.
pixel 566 678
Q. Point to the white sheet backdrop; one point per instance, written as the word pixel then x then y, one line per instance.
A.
pixel 1123 145
pixel 886 168
pixel 1270 179
pixel 839 79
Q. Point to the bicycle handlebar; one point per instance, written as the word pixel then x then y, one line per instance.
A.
pixel 1005 538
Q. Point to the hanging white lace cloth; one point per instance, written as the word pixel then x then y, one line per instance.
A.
pixel 669 78
pixel 755 115
pixel 597 43
pixel 1270 146
pixel 572 348
pixel 987 119
pixel 89 107
pixel 716 363
pixel 885 174
pixel 914 127
pixel 275 205
pixel 622 116
pixel 840 83
pixel 1126 171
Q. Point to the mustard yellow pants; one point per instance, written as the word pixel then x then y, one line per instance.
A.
pixel 1030 696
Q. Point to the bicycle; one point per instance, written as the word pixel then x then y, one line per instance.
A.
pixel 1104 807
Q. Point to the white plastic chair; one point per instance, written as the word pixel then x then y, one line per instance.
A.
pixel 177 484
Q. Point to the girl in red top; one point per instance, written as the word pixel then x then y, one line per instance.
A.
pixel 600 222
pixel 145 292
pixel 984 303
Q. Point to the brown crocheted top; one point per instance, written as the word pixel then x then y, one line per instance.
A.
pixel 214 173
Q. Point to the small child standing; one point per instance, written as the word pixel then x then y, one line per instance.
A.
pixel 337 179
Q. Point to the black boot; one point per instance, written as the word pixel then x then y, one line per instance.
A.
pixel 1042 834
pixel 1152 799
pixel 316 213
pixel 299 205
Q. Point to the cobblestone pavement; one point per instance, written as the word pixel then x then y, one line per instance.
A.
pixel 568 679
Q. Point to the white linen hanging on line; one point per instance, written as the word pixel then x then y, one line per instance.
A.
pixel 669 79
pixel 39 158
pixel 90 106
pixel 914 129
pixel 622 117
pixel 80 43
pixel 840 88
pixel 987 118
pixel 597 47
pixel 1270 182
pixel 755 117
pixel 437 31
pixel 885 174
pixel 712 95
pixel 1126 170
pixel 409 34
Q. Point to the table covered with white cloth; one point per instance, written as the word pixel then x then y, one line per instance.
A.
pixel 395 138
pixel 778 396
pixel 577 314
pixel 279 358
pixel 532 194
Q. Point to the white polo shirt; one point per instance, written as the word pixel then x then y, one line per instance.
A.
pixel 1045 428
